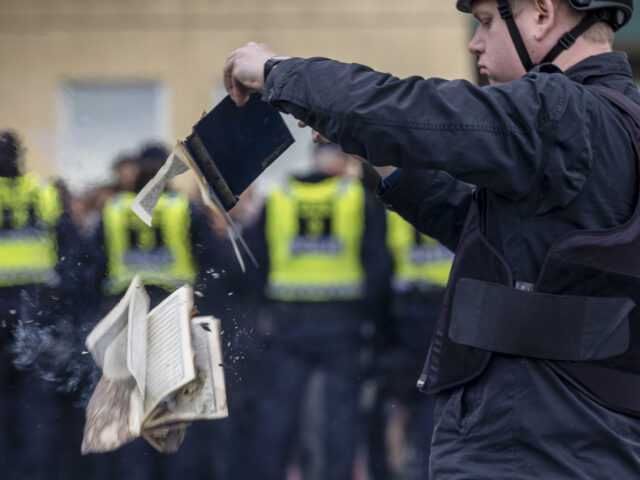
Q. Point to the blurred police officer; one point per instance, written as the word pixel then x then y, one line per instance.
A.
pixel 166 254
pixel 420 270
pixel 38 286
pixel 321 234
pixel 236 298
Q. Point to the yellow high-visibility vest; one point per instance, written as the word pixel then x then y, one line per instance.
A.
pixel 161 254
pixel 314 234
pixel 29 213
pixel 419 261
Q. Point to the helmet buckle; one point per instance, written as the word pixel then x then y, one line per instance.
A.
pixel 567 40
pixel 505 10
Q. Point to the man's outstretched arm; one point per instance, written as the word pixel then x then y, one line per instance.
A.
pixel 478 135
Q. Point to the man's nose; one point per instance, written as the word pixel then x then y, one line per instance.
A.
pixel 476 45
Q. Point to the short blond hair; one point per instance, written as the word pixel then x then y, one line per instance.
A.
pixel 601 32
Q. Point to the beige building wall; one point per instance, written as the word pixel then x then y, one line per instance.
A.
pixel 183 44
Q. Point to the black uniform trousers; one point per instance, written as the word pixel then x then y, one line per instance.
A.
pixel 306 337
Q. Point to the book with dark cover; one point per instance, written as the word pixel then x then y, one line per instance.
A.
pixel 233 145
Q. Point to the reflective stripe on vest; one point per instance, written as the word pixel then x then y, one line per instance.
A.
pixel 314 234
pixel 29 213
pixel 161 254
pixel 420 262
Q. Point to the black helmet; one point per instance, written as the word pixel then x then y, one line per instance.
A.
pixel 616 13
pixel 155 151
pixel 150 159
pixel 11 152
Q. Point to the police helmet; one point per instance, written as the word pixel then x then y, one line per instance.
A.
pixel 616 13
pixel 150 159
pixel 11 153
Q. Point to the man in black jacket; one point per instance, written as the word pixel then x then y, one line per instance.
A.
pixel 532 162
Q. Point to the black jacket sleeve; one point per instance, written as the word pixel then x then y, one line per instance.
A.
pixel 432 201
pixel 496 137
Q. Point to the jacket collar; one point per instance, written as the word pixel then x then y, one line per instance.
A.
pixel 611 63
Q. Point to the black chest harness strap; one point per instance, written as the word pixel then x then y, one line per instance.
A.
pixel 513 321
pixel 539 325
pixel 590 334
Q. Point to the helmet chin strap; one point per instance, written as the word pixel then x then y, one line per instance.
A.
pixel 507 15
pixel 563 44
pixel 570 37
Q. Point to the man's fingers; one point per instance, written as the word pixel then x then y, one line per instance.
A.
pixel 243 71
pixel 227 76
pixel 317 138
pixel 228 85
pixel 234 88
pixel 362 159
pixel 241 93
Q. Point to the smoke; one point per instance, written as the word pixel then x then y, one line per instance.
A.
pixel 54 352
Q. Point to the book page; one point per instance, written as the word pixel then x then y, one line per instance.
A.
pixel 205 397
pixel 145 202
pixel 115 366
pixel 137 339
pixel 109 329
pixel 169 352
pixel 112 418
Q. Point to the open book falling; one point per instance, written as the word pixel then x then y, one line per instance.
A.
pixel 160 370
pixel 227 150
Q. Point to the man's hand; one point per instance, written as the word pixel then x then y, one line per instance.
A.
pixel 315 136
pixel 244 71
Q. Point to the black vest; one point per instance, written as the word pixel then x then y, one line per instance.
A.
pixel 581 269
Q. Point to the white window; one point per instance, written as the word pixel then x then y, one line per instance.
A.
pixel 103 120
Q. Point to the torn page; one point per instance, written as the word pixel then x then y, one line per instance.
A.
pixel 111 419
pixel 115 366
pixel 137 338
pixel 145 202
pixel 167 438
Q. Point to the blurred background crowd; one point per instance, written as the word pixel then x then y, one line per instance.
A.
pixel 323 343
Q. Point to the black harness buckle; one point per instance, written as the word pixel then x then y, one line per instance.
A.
pixel 567 40
pixel 505 10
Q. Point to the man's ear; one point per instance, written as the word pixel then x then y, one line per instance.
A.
pixel 545 18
